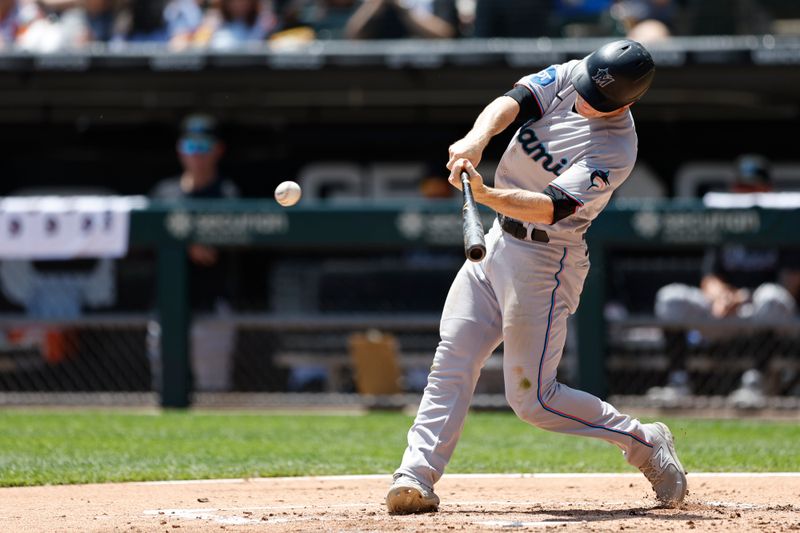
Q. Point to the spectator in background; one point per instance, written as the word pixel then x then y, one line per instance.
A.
pixel 73 23
pixel 645 20
pixel 317 19
pixel 182 19
pixel 584 18
pixel 173 22
pixel 15 18
pixel 398 19
pixel 726 17
pixel 143 22
pixel 513 18
pixel 649 31
pixel 61 26
pixel 200 149
pixel 83 21
pixel 749 282
pixel 101 18
pixel 10 24
pixel 236 22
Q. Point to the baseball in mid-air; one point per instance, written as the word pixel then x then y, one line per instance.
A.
pixel 288 193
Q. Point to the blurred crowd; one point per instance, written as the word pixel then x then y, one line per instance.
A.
pixel 48 25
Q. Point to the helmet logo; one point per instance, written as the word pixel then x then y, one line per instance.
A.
pixel 602 77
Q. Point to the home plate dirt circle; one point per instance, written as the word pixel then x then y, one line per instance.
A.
pixel 561 502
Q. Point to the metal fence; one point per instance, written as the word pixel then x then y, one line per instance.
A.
pixel 288 327
pixel 296 335
pixel 291 322
pixel 668 362
pixel 102 354
pixel 75 326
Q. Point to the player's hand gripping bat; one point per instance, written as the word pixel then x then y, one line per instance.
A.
pixel 474 242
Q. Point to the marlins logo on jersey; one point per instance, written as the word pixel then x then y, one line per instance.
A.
pixel 602 180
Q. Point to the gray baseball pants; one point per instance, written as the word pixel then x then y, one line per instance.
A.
pixel 521 294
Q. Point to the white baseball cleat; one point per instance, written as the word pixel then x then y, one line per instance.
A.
pixel 407 496
pixel 663 469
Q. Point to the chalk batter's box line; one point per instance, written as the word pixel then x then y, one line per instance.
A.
pixel 367 477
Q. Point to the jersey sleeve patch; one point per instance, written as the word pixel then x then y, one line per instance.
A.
pixel 545 77
pixel 543 87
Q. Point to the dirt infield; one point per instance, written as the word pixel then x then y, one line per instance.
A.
pixel 469 503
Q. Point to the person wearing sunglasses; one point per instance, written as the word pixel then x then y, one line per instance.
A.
pixel 200 150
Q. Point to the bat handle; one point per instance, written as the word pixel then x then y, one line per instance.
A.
pixel 474 241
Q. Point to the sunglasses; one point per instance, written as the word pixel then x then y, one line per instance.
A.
pixel 195 146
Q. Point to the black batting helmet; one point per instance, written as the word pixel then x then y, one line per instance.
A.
pixel 614 75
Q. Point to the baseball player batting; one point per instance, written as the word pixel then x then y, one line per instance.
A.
pixel 576 145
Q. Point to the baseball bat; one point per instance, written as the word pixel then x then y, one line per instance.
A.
pixel 474 242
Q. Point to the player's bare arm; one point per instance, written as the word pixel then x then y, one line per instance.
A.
pixel 494 119
pixel 515 203
pixel 725 298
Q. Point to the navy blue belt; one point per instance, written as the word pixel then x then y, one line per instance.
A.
pixel 517 229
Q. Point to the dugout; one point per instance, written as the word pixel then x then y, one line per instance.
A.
pixel 104 118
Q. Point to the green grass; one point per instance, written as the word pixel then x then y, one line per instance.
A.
pixel 46 447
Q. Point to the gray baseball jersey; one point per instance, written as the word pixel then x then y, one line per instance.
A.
pixel 522 293
pixel 585 159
